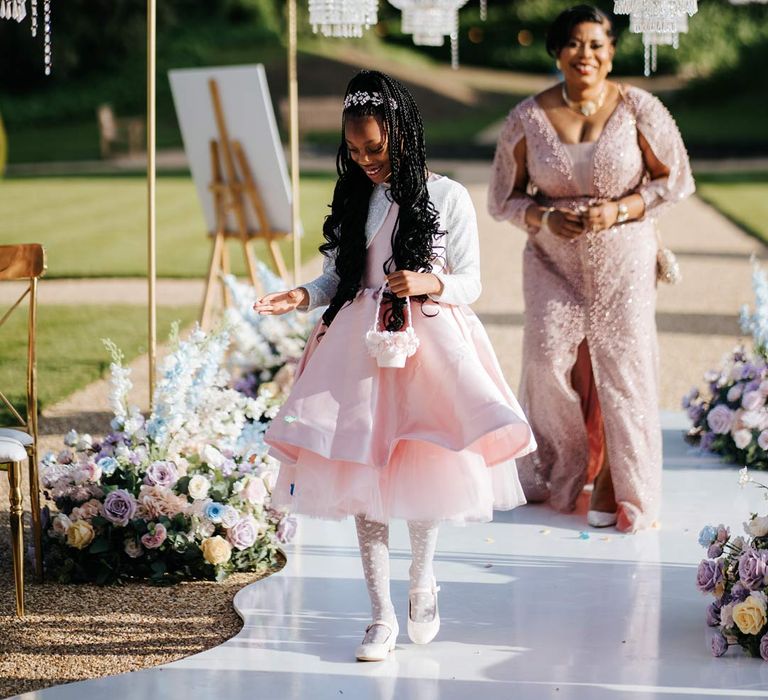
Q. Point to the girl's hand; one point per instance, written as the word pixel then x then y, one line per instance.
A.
pixel 565 224
pixel 405 283
pixel 281 302
pixel 601 215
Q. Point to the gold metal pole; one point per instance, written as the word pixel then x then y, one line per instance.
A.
pixel 151 187
pixel 293 101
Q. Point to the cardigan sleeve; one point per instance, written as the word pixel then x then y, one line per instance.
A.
pixel 504 203
pixel 322 288
pixel 461 275
pixel 659 129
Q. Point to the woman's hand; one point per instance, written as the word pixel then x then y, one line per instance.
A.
pixel 601 215
pixel 280 303
pixel 405 283
pixel 565 224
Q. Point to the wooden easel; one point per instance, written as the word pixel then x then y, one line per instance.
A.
pixel 231 190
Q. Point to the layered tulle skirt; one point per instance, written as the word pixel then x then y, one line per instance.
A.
pixel 435 440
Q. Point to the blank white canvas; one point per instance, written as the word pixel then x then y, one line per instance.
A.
pixel 250 119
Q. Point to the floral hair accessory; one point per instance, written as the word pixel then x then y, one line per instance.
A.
pixel 359 98
pixel 391 348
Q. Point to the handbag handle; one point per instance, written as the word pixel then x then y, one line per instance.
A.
pixel 379 297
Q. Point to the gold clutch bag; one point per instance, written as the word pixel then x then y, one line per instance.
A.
pixel 667 268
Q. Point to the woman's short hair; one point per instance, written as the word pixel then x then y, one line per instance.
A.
pixel 560 30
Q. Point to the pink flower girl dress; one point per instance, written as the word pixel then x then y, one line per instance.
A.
pixel 432 441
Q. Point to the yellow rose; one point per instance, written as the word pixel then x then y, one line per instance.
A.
pixel 80 534
pixel 749 615
pixel 216 550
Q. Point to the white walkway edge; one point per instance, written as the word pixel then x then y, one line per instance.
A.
pixel 530 610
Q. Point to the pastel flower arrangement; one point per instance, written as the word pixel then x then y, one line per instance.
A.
pixel 735 572
pixel 183 493
pixel 729 415
pixel 265 349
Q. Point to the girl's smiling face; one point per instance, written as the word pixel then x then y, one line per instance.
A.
pixel 367 144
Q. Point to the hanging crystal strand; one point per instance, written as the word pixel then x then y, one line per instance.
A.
pixel 33 6
pixel 455 43
pixel 47 31
pixel 483 10
pixel 654 57
pixel 647 56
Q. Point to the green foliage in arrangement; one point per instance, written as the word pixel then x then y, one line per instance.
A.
pixel 69 349
pixel 96 226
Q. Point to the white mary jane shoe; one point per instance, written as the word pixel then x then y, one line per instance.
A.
pixel 378 651
pixel 423 632
pixel 599 518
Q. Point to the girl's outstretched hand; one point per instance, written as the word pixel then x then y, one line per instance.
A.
pixel 405 283
pixel 281 302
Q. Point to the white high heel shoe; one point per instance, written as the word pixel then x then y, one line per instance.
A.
pixel 599 518
pixel 423 632
pixel 378 651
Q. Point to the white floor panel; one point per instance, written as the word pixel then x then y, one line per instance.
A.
pixel 534 605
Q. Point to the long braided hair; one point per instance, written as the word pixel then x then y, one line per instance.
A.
pixel 417 227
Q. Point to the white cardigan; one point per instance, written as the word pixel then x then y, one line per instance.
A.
pixel 458 267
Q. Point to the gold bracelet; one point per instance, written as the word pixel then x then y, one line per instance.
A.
pixel 545 217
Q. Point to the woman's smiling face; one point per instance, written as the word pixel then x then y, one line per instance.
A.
pixel 586 58
pixel 367 144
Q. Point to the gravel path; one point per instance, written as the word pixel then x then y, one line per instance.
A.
pixel 75 632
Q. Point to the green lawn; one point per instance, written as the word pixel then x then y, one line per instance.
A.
pixel 742 197
pixel 96 226
pixel 70 351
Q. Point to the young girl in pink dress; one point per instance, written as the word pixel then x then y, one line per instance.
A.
pixel 431 441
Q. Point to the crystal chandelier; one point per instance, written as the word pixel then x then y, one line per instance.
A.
pixel 17 10
pixel 430 21
pixel 659 21
pixel 342 18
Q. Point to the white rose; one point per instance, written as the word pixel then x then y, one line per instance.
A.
pixel 753 419
pixel 720 419
pixel 742 438
pixel 762 440
pixel 85 442
pixel 757 527
pixel 61 523
pixel 229 516
pixel 198 487
pixel 70 439
pixel 211 456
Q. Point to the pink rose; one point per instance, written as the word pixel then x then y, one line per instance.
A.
pixel 752 400
pixel 254 491
pixel 153 539
pixel 762 440
pixel 734 393
pixel 244 533
pixel 742 438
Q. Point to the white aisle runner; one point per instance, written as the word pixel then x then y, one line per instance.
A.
pixel 531 608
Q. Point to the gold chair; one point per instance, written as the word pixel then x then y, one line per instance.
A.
pixel 23 263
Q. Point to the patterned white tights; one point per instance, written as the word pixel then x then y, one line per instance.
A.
pixel 373 538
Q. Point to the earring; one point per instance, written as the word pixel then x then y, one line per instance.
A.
pixel 557 64
pixel 610 66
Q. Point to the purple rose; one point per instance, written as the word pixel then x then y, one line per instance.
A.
pixel 695 413
pixel 243 533
pixel 764 647
pixel 720 419
pixel 723 533
pixel 753 567
pixel 719 644
pixel 709 574
pixel 119 507
pixel 739 592
pixel 161 473
pixel 286 530
pixel 713 614
pixel 715 550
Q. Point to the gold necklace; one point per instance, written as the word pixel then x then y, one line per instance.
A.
pixel 587 107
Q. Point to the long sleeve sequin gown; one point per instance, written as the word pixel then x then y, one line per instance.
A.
pixel 600 287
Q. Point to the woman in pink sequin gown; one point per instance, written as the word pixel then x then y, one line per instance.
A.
pixel 584 168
